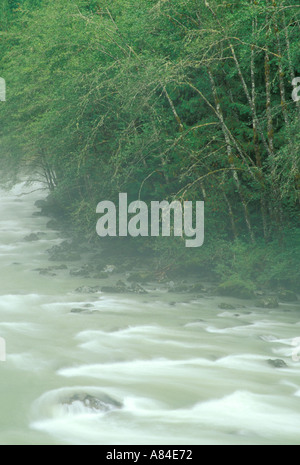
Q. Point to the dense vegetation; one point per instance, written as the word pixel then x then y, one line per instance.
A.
pixel 162 99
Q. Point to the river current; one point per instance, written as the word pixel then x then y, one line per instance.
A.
pixel 180 370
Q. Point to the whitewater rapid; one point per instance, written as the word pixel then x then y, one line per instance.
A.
pixel 179 371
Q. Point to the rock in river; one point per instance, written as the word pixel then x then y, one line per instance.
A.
pixel 277 363
pixel 287 296
pixel 87 290
pixel 225 306
pixel 268 302
pixel 31 238
pixel 83 271
pixel 101 403
pixel 85 311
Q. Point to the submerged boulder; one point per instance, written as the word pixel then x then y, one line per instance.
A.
pixel 85 311
pixel 47 272
pixel 31 238
pixel 277 363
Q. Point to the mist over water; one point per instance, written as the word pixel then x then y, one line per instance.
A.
pixel 185 374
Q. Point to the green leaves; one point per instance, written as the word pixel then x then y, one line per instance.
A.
pixel 158 99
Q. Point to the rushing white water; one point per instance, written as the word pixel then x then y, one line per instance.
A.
pixel 183 374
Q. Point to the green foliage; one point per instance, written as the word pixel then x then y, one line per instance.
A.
pixel 163 100
pixel 275 264
pixel 236 287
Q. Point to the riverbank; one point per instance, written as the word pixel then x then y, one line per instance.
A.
pixel 118 266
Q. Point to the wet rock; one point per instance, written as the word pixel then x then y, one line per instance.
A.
pixel 50 269
pixel 122 288
pixel 78 310
pixel 277 363
pixel 268 338
pixel 197 287
pixel 64 253
pixel 47 273
pixel 31 238
pixel 99 266
pixel 85 311
pixel 138 289
pixel 113 290
pixel 53 224
pixel 87 290
pixel 65 257
pixel 194 323
pixel 40 203
pixel 268 302
pixel 181 289
pixel 287 296
pixel 55 250
pixel 37 214
pixel 225 306
pixel 101 403
pixel 83 271
pixel 50 208
pixel 110 269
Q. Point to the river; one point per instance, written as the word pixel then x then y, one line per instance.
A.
pixel 168 373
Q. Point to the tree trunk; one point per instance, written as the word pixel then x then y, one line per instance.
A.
pixel 258 158
pixel 231 157
pixel 280 68
pixel 276 203
pixel 288 47
pixel 231 214
pixel 244 85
